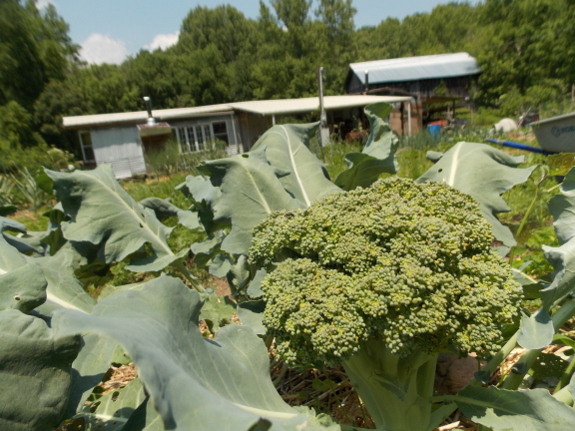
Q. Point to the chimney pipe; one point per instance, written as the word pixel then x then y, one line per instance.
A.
pixel 151 121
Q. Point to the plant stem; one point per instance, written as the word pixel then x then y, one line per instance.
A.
pixel 500 356
pixel 529 356
pixel 195 284
pixel 566 376
pixel 392 387
pixel 564 395
pixel 281 375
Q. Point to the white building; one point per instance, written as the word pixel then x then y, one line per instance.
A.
pixel 122 139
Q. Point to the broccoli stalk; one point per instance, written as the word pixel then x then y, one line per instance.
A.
pixel 393 387
pixel 381 280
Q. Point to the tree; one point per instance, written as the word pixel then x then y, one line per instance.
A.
pixel 21 69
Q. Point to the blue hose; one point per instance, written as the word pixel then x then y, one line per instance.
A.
pixel 519 146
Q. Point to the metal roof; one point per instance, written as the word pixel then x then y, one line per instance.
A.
pixel 416 68
pixel 142 116
pixel 310 104
pixel 261 107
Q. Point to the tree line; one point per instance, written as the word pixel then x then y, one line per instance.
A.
pixel 525 49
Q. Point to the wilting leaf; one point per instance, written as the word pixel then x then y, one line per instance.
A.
pixel 485 173
pixel 288 149
pixel 194 383
pixel 102 213
pixel 35 369
pixel 528 410
pixel 251 191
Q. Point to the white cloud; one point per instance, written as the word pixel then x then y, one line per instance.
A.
pixel 41 4
pixel 99 48
pixel 163 41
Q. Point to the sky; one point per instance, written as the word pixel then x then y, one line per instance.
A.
pixel 110 30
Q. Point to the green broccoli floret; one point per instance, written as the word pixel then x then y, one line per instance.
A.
pixel 390 275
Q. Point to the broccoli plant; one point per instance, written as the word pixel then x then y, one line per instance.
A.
pixel 382 280
pixel 378 279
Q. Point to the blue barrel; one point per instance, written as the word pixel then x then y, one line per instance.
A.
pixel 434 130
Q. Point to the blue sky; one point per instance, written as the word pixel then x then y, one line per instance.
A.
pixel 109 30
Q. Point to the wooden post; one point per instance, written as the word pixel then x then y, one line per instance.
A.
pixel 323 129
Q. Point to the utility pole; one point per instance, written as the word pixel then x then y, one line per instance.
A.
pixel 323 129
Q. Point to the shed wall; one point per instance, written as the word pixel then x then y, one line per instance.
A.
pixel 121 148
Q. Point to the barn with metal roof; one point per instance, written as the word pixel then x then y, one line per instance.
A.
pixel 438 83
pixel 416 75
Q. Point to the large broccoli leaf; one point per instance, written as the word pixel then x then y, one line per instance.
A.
pixel 102 213
pixel 378 155
pixel 501 410
pixel 287 149
pixel 45 284
pixel 250 192
pixel 35 373
pixel 485 173
pixel 22 284
pixel 64 289
pixel 562 208
pixel 23 288
pixel 195 383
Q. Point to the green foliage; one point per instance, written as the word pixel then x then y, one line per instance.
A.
pixel 169 161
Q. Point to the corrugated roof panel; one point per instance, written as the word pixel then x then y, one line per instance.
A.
pixel 415 68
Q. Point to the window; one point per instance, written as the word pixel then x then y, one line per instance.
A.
pixel 196 137
pixel 86 145
pixel 221 131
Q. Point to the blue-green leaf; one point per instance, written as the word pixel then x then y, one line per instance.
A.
pixel 536 331
pixel 502 410
pixel 195 383
pixel 485 173
pixel 287 148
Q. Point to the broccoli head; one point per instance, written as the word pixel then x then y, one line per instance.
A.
pixel 408 264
